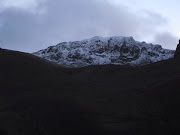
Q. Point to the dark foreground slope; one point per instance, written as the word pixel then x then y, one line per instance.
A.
pixel 37 97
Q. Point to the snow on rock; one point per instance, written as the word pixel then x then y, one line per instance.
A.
pixel 108 50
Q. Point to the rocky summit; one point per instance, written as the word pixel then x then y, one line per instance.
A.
pixel 105 50
pixel 177 53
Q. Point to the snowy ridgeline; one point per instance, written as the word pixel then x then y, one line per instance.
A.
pixel 109 50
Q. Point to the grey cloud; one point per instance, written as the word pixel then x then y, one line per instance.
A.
pixel 67 20
pixel 167 39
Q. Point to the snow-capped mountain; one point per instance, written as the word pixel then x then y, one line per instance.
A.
pixel 109 50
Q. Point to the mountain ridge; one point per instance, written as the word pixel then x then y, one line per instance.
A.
pixel 177 53
pixel 116 50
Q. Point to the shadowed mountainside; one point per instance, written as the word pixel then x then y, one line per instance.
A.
pixel 38 97
pixel 177 53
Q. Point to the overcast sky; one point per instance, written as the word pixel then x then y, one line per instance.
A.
pixel 31 25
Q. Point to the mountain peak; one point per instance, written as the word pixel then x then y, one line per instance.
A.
pixel 177 53
pixel 116 50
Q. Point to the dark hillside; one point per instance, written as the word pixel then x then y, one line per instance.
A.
pixel 115 76
pixel 38 97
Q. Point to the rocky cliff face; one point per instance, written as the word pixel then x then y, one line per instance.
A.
pixel 177 53
pixel 110 50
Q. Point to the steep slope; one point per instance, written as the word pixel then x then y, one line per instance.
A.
pixel 177 53
pixel 100 51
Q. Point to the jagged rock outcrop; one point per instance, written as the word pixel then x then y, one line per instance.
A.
pixel 177 52
pixel 109 50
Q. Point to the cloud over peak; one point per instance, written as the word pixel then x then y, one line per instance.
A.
pixel 52 22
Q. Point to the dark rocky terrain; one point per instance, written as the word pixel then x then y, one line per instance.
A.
pixel 177 53
pixel 41 98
